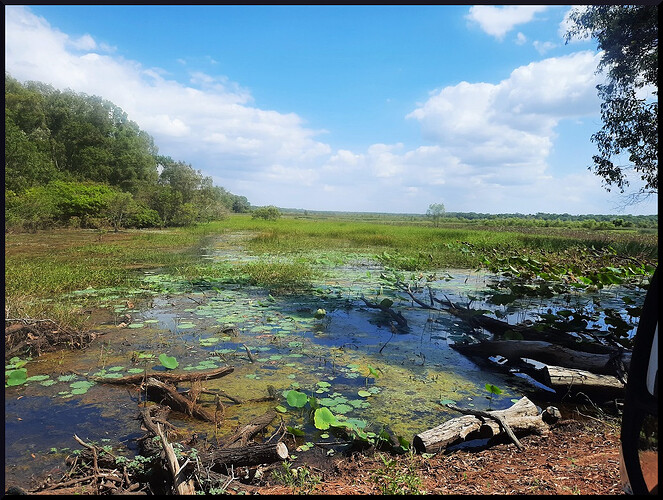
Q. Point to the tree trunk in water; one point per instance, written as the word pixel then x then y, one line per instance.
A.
pixel 545 352
pixel 572 380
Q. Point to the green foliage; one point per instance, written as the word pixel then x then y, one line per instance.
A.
pixel 296 399
pixel 91 166
pixel 323 418
pixel 16 377
pixel 398 477
pixel 627 35
pixel 435 212
pixel 299 478
pixel 168 361
pixel 267 213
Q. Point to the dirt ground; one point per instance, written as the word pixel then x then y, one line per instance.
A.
pixel 577 457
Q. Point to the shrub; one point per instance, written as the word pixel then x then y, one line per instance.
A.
pixel 267 213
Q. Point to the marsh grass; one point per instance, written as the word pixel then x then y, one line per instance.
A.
pixel 48 264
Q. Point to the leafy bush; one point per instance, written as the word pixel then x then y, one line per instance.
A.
pixel 267 213
pixel 143 217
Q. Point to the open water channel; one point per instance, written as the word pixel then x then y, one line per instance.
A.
pixel 413 368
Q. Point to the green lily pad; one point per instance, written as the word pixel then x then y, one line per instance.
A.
pixel 37 378
pixel 47 383
pixel 17 377
pixel 363 393
pixel 296 399
pixel 281 409
pixel 323 418
pixel 168 361
pixel 136 325
pixel 342 408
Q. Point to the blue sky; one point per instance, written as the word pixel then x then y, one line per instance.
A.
pixel 357 108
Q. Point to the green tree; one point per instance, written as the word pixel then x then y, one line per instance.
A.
pixel 628 37
pixel 119 207
pixel 435 212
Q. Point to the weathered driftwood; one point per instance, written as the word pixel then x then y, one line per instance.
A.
pixel 522 417
pixel 241 437
pixel 181 485
pixel 167 394
pixel 29 336
pixel 173 378
pixel 573 380
pixel 396 316
pixel 546 352
pixel 264 453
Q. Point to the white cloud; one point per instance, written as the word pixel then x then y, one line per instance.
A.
pixel 487 151
pixel 498 21
pixel 210 118
pixel 543 47
pixel 86 42
pixel 520 38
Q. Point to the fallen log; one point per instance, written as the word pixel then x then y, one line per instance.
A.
pixel 173 378
pixel 396 316
pixel 168 394
pixel 548 353
pixel 499 328
pixel 181 485
pixel 572 380
pixel 264 453
pixel 241 437
pixel 522 417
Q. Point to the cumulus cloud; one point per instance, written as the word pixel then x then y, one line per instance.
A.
pixel 520 39
pixel 543 47
pixel 487 143
pixel 210 116
pixel 498 21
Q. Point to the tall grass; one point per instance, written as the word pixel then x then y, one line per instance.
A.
pixel 49 264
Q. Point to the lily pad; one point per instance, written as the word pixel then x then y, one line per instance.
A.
pixel 342 408
pixel 37 378
pixel 17 377
pixel 363 393
pixel 296 399
pixel 323 418
pixel 168 361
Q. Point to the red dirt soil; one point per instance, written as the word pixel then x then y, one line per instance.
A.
pixel 577 457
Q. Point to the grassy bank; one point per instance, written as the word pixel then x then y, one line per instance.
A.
pixel 46 265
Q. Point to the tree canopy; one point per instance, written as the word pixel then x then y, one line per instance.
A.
pixel 628 37
pixel 89 163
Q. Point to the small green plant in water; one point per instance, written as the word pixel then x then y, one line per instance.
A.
pixel 492 390
pixel 168 361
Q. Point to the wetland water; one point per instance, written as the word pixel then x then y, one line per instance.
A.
pixel 327 357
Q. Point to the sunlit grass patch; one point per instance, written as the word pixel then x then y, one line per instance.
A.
pixel 278 274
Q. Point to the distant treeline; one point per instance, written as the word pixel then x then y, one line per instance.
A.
pixel 77 160
pixel 540 219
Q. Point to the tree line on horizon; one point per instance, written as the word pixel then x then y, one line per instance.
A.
pixel 76 160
